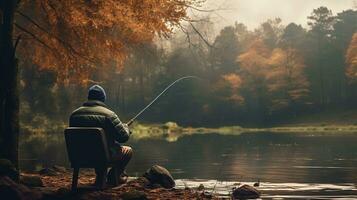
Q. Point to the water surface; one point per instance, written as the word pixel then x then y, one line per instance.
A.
pixel 296 164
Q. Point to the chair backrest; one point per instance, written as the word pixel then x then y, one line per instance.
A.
pixel 86 147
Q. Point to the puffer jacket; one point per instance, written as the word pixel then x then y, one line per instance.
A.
pixel 96 114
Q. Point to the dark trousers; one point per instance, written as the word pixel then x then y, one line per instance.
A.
pixel 121 158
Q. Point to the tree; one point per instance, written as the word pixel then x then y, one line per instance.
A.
pixel 270 31
pixel 140 71
pixel 224 53
pixel 253 69
pixel 287 83
pixel 321 23
pixel 351 60
pixel 9 101
pixel 74 39
pixel 343 29
pixel 293 36
pixel 234 84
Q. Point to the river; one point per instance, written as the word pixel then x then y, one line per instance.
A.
pixel 287 165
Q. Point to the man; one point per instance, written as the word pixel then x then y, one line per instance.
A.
pixel 94 113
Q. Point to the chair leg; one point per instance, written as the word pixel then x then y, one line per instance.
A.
pixel 75 179
pixel 101 178
pixel 116 176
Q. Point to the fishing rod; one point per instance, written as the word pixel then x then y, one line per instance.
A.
pixel 158 96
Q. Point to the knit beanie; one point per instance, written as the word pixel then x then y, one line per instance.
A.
pixel 96 92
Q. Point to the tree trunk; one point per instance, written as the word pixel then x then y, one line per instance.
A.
pixel 9 97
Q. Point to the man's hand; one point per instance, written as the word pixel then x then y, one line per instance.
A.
pixel 126 128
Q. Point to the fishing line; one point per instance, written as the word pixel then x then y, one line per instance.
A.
pixel 158 96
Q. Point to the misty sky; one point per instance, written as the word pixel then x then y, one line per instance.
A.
pixel 254 12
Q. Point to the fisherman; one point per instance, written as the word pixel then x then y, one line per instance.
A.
pixel 94 113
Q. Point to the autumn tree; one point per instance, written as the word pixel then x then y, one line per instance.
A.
pixel 234 84
pixel 73 39
pixel 351 60
pixel 253 69
pixel 287 83
pixel 272 80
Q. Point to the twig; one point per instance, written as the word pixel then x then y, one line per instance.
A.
pixel 16 43
pixel 200 35
pixel 33 36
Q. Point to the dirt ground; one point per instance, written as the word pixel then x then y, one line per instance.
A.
pixel 57 186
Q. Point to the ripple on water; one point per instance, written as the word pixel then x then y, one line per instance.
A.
pixel 278 190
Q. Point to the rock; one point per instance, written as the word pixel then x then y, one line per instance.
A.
pixel 155 186
pixel 201 187
pixel 134 195
pixel 245 192
pixel 11 190
pixel 47 172
pixel 257 184
pixel 8 169
pixel 159 175
pixel 31 180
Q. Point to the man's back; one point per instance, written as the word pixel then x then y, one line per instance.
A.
pixel 95 113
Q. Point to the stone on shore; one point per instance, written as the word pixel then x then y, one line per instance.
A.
pixel 245 192
pixel 159 175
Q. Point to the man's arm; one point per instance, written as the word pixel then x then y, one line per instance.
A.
pixel 121 130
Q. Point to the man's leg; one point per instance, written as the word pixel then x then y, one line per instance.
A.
pixel 121 159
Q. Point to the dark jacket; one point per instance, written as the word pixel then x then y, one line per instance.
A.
pixel 96 114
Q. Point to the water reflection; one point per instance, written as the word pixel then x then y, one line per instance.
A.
pixel 268 157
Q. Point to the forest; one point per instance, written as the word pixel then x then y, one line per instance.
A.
pixel 271 111
pixel 257 77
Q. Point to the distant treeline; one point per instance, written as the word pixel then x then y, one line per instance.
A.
pixel 258 77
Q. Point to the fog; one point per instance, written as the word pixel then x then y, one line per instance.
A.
pixel 254 12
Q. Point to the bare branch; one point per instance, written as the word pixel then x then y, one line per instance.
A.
pixel 16 43
pixel 208 10
pixel 200 35
pixel 33 36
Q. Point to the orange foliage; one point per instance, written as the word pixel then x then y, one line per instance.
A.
pixel 351 60
pixel 253 67
pixel 286 79
pixel 76 37
pixel 235 83
pixel 234 80
pixel 278 73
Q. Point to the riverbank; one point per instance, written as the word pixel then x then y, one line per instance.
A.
pixel 172 131
pixel 56 185
pixel 333 121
